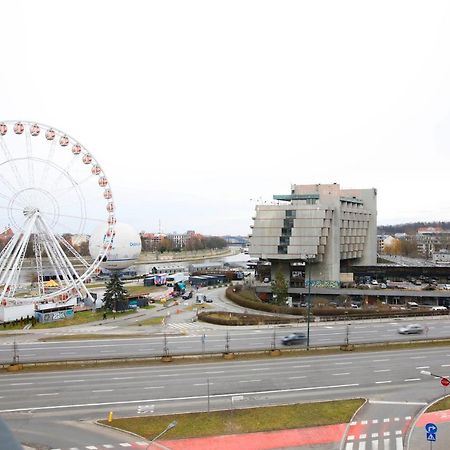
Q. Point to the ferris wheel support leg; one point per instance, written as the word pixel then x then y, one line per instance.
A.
pixel 66 262
pixel 17 255
pixel 59 265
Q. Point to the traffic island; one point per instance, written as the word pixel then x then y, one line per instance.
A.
pixel 228 355
pixel 14 367
pixel 275 352
pixel 347 347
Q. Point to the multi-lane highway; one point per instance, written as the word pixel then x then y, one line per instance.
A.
pixel 214 340
pixel 32 401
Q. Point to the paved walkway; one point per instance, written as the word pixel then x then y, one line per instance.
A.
pixel 418 438
pixel 303 437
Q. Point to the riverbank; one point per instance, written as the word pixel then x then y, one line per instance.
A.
pixel 198 255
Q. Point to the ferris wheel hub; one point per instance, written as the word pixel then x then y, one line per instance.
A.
pixel 29 211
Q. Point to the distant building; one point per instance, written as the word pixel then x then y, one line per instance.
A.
pixel 320 224
pixel 381 242
pixel 442 257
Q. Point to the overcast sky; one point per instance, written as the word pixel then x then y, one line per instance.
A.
pixel 199 109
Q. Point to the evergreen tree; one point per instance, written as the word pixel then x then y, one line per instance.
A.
pixel 115 293
pixel 280 289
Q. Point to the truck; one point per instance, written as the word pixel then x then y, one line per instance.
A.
pixel 179 277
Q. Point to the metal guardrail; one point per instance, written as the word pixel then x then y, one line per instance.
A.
pixel 210 355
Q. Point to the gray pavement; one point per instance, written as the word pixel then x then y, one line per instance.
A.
pixel 33 401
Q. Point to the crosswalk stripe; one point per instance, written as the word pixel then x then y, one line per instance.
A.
pixel 399 443
pixel 362 445
pixel 349 446
pixel 386 444
pixel 375 444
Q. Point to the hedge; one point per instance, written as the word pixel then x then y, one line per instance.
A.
pixel 232 294
pixel 227 318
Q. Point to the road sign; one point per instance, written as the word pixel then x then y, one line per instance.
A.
pixel 445 382
pixel 431 437
pixel 431 430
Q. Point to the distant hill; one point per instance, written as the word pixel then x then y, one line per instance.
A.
pixel 410 228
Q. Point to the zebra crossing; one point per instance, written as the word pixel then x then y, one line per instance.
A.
pixel 193 328
pixel 377 434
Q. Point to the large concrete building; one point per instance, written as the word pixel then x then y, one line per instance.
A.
pixel 323 225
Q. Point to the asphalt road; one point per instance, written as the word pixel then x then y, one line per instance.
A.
pixel 32 401
pixel 214 341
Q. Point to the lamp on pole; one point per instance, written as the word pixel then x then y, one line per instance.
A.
pixel 169 427
pixel 308 259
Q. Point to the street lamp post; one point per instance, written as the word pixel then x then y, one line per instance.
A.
pixel 169 427
pixel 308 316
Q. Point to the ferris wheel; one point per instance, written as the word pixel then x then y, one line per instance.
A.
pixel 53 194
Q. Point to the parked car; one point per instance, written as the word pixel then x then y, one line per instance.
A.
pixel 208 300
pixel 187 295
pixel 294 338
pixel 413 328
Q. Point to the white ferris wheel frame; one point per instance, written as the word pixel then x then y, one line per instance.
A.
pixel 35 230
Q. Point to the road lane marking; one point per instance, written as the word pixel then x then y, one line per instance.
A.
pixel 216 371
pixel 301 367
pixel 349 446
pixel 339 374
pixel 383 382
pixel 154 387
pixel 248 381
pixel 399 443
pixel 382 370
pixel 103 390
pixel 296 378
pixel 174 399
pixel 20 384
pixel 412 379
pixel 380 360
pixel 123 378
pixel 73 381
pixel 423 367
pixel 342 363
pixel 417 357
pixel 262 368
pixel 52 393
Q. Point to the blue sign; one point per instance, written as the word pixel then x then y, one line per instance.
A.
pixel 431 430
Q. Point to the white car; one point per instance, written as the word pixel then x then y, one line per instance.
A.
pixel 413 328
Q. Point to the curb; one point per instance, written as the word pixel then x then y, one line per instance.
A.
pixel 344 436
pixel 412 425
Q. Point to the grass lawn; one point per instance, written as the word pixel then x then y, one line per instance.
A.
pixel 242 420
pixel 151 321
pixel 440 405
pixel 142 290
pixel 78 319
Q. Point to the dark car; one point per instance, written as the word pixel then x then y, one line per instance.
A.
pixel 187 295
pixel 294 338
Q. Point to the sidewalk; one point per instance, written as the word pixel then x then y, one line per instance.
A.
pixel 317 437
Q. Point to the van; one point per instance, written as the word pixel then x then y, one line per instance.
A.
pixel 438 308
